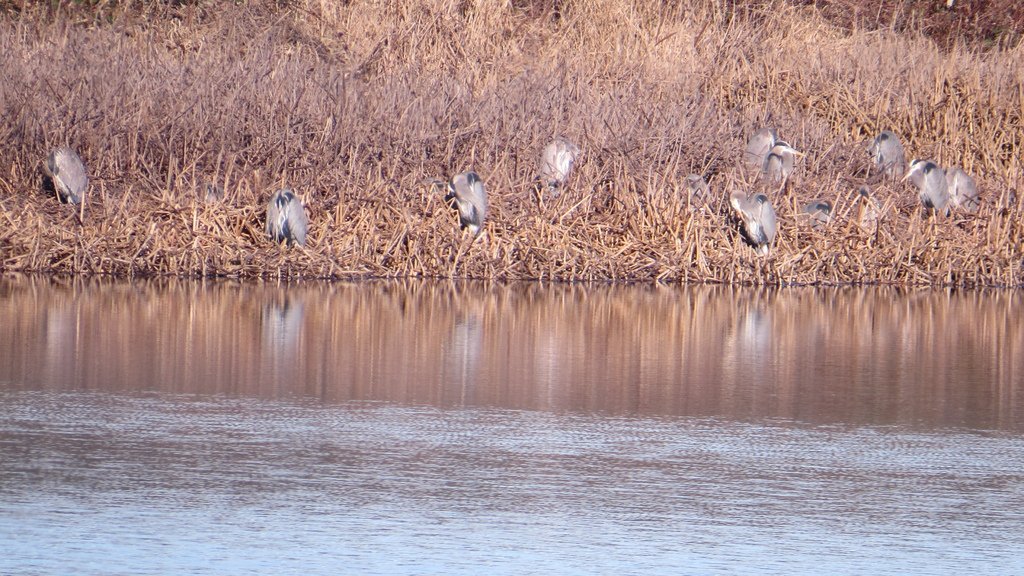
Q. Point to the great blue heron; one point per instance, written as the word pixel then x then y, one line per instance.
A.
pixel 214 193
pixel 556 163
pixel 66 172
pixel 779 164
pixel 870 210
pixel 963 192
pixel 758 218
pixel 819 212
pixel 466 193
pixel 773 158
pixel 887 152
pixel 697 190
pixel 286 218
pixel 931 184
pixel 758 147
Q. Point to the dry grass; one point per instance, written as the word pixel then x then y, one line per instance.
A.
pixel 355 104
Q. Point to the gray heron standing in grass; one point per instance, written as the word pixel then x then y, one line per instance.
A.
pixel 887 152
pixel 773 158
pixel 214 193
pixel 758 218
pixel 697 190
pixel 819 212
pixel 778 165
pixel 870 210
pixel 286 218
pixel 963 192
pixel 466 193
pixel 758 147
pixel 66 173
pixel 556 164
pixel 931 185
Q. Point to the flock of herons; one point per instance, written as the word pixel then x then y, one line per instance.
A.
pixel 939 190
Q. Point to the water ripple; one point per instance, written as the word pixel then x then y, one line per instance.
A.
pixel 155 484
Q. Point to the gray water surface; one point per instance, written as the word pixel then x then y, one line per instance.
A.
pixel 419 428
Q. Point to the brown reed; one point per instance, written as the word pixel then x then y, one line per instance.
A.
pixel 355 105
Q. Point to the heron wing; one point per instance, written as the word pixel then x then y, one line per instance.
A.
pixel 296 221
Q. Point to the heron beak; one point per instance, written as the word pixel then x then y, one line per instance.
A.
pixel 435 182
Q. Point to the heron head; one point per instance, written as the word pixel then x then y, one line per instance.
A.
pixel 737 199
pixel 915 166
pixel 472 178
pixel 922 166
pixel 782 147
pixel 822 206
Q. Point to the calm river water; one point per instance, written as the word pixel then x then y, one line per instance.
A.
pixel 169 427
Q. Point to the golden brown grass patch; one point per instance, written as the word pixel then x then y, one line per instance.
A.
pixel 354 105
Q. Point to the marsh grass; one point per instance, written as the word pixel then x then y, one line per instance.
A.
pixel 356 105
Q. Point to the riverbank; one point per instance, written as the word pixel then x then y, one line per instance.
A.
pixel 355 107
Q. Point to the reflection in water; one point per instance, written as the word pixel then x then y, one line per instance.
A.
pixel 462 352
pixel 282 325
pixel 843 355
pixel 600 430
pixel 281 339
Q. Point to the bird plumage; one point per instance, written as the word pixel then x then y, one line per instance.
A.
pixel 887 152
pixel 820 212
pixel 963 191
pixel 773 159
pixel 930 180
pixel 66 171
pixel 697 190
pixel 556 163
pixel 467 194
pixel 758 147
pixel 780 161
pixel 286 218
pixel 758 218
pixel 870 211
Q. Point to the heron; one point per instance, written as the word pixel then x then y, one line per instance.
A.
pixel 556 163
pixel 870 209
pixel 758 218
pixel 963 192
pixel 697 190
pixel 778 164
pixel 758 147
pixel 466 193
pixel 887 152
pixel 214 193
pixel 820 212
pixel 286 218
pixel 66 172
pixel 931 184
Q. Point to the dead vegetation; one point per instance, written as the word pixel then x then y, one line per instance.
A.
pixel 356 105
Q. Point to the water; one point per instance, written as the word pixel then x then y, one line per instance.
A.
pixel 437 428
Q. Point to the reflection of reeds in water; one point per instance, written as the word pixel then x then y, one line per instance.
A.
pixel 876 355
pixel 355 105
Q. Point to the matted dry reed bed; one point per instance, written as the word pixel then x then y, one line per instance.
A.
pixel 355 105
